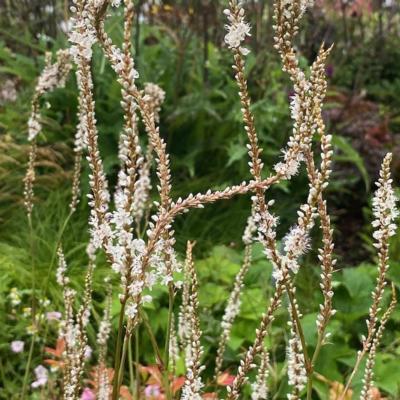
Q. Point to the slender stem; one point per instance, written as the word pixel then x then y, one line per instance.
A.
pixel 123 357
pixel 169 324
pixel 130 361
pixel 309 386
pixel 357 365
pixel 27 370
pixel 318 347
pixel 167 385
pixel 33 272
pixel 117 361
pixel 53 257
pixel 137 359
pixel 153 340
pixel 167 339
pixel 313 361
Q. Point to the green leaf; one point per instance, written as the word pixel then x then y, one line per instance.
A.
pixel 358 282
pixel 349 154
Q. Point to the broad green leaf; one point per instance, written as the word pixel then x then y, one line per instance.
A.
pixel 349 154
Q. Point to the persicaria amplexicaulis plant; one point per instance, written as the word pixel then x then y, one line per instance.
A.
pixel 136 233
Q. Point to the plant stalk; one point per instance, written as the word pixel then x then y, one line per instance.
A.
pixel 299 329
pixel 130 361
pixel 26 376
pixel 123 357
pixel 118 346
pixel 137 359
pixel 33 311
pixel 171 297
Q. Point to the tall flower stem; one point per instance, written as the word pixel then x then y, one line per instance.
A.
pixel 33 272
pixel 118 349
pixel 130 361
pixel 299 329
pixel 153 340
pixel 127 339
pixel 171 298
pixel 137 359
pixel 28 365
pixel 53 256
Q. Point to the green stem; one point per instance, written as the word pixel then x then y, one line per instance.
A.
pixel 137 358
pixel 33 312
pixel 33 272
pixel 130 361
pixel 169 324
pixel 27 370
pixel 317 348
pixel 309 386
pixel 167 340
pixel 153 340
pixel 123 358
pixel 53 257
pixel 117 361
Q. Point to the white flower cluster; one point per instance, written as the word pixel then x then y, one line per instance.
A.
pixel 73 330
pixel 105 389
pixel 34 126
pixel 79 140
pixel 259 389
pixel 251 228
pixel 131 311
pixel 62 279
pixel 384 205
pixel 42 375
pixel 53 76
pixel 142 192
pixel 238 29
pixel 266 226
pixel 305 4
pixel 300 107
pixel 291 165
pixel 8 91
pixel 104 329
pixel 297 375
pixel 154 96
pixel 100 231
pixel 82 34
pixel 290 13
pixel 191 389
pixel 117 59
pixel 231 311
pixel 296 243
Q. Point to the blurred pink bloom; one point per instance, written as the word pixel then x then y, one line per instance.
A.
pixel 152 391
pixel 17 346
pixel 53 315
pixel 41 376
pixel 88 394
pixel 88 352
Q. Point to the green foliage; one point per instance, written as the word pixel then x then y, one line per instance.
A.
pixel 201 123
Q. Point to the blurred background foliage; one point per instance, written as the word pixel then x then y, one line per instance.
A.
pixel 179 45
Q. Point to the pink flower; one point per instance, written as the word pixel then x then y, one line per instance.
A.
pixel 17 346
pixel 88 394
pixel 41 376
pixel 152 391
pixel 88 352
pixel 53 315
